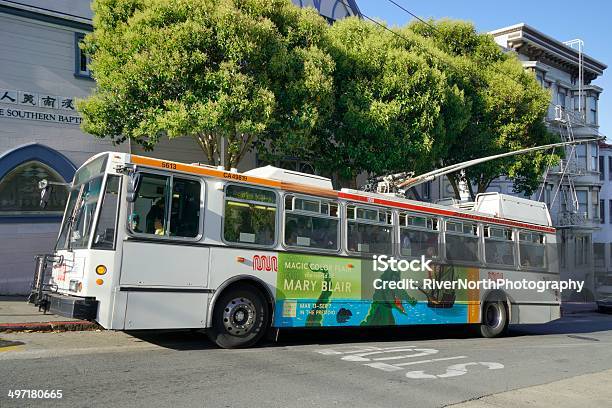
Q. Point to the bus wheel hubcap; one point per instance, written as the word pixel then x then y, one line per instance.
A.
pixel 493 315
pixel 239 316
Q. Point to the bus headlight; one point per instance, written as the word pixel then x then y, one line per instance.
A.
pixel 100 269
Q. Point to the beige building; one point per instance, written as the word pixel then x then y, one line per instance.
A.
pixel 602 237
pixel 569 74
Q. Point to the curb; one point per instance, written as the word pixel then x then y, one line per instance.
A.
pixel 570 308
pixel 574 312
pixel 78 325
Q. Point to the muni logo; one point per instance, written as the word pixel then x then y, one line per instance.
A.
pixel 265 263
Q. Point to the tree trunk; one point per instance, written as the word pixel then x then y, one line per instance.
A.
pixel 245 145
pixel 203 142
pixel 483 184
pixel 470 189
pixel 452 178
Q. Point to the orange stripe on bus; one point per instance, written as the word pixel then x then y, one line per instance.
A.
pixel 205 171
pixel 473 295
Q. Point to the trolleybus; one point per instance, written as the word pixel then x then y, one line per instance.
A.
pixel 155 244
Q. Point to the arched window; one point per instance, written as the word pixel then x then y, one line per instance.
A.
pixel 19 193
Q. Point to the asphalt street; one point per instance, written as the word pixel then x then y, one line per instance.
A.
pixel 417 367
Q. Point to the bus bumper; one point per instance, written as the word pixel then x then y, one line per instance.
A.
pixel 83 308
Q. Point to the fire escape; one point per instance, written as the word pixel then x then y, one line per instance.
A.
pixel 569 214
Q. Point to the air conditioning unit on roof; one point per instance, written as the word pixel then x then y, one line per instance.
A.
pixel 513 208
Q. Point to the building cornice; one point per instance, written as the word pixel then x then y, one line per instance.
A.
pixel 533 43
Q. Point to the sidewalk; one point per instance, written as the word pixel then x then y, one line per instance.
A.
pixel 18 315
pixel 589 390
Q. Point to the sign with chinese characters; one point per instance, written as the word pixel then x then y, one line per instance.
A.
pixel 21 100
pixel 55 117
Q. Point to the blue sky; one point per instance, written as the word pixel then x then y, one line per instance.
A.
pixel 559 19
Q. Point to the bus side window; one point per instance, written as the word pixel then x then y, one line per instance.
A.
pixel 418 236
pixel 461 241
pixel 531 249
pixel 250 215
pixel 369 230
pixel 499 246
pixel 185 209
pixel 149 215
pixel 311 223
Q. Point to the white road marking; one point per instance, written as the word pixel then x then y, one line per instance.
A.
pixel 363 357
pixel 453 370
pixel 377 357
pixel 430 361
pixel 357 349
pixel 399 366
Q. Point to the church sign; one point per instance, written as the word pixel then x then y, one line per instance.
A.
pixel 61 108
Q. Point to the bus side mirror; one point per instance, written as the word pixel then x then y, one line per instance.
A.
pixel 45 192
pixel 132 187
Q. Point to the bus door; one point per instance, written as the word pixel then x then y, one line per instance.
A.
pixel 164 270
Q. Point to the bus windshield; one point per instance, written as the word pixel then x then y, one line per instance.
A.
pixel 79 218
pixel 82 203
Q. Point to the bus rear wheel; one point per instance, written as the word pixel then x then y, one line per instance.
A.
pixel 494 319
pixel 240 318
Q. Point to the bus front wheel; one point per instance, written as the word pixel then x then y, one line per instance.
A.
pixel 240 318
pixel 494 320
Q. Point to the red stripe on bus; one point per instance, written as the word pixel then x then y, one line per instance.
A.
pixel 440 211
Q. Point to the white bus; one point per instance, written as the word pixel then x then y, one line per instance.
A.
pixel 154 244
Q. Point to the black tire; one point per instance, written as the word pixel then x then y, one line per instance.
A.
pixel 494 320
pixel 240 318
pixel 603 309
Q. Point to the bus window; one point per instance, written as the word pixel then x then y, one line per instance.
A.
pixel 311 223
pixel 149 215
pixel 461 241
pixel 83 213
pixel 369 230
pixel 499 247
pixel 250 215
pixel 418 236
pixel 185 209
pixel 531 249
pixel 104 237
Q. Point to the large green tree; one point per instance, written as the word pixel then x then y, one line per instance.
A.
pixel 351 98
pixel 507 108
pixel 239 70
pixel 394 111
pixel 421 98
